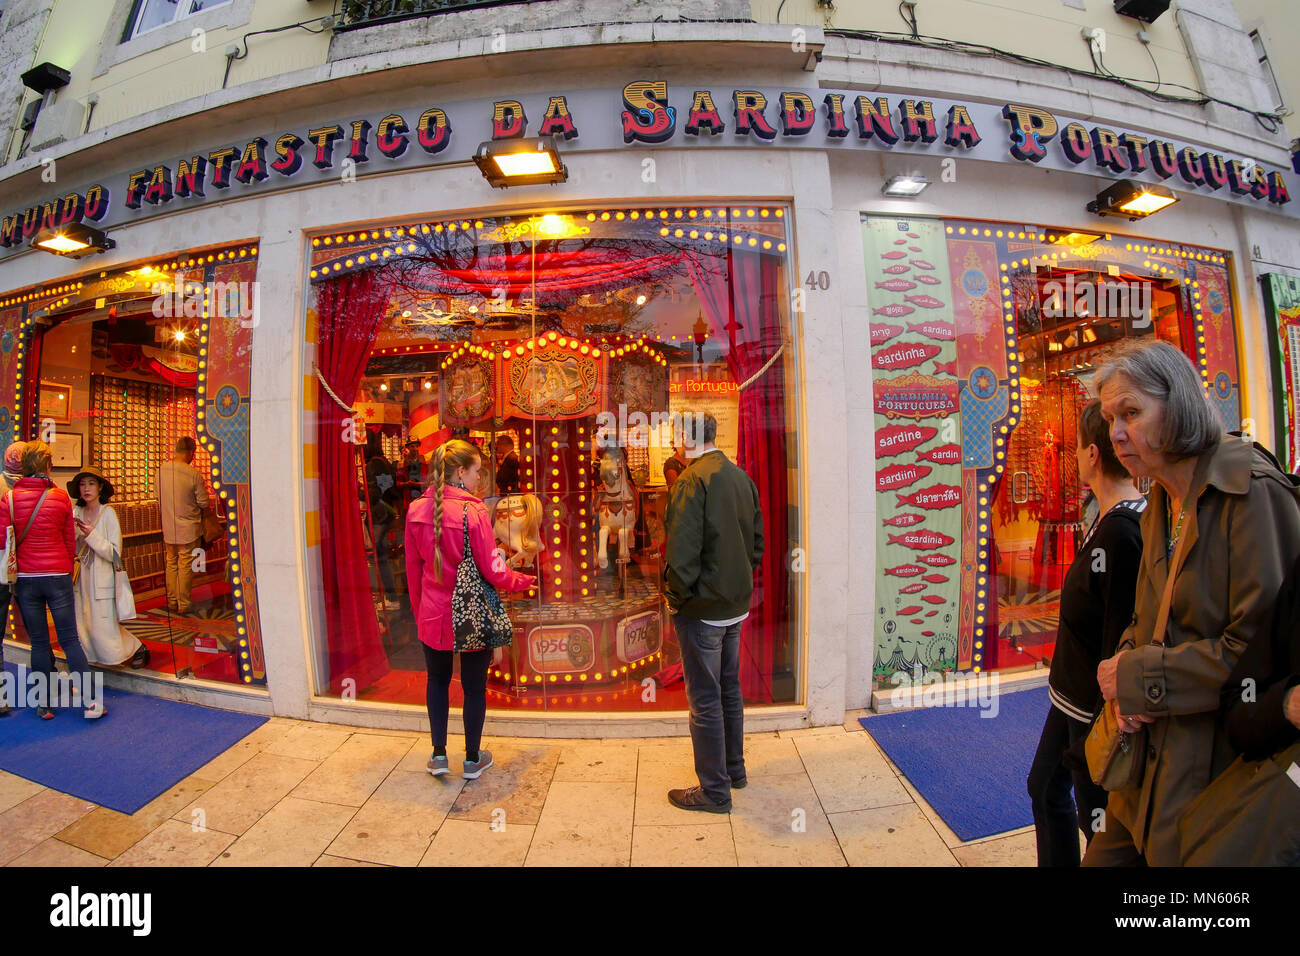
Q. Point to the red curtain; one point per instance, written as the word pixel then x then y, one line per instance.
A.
pixel 349 310
pixel 741 298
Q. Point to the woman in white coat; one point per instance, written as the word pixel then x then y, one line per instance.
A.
pixel 99 539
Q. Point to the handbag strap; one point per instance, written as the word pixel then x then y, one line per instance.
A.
pixel 1176 560
pixel 32 519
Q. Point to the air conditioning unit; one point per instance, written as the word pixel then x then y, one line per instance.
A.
pixel 1148 11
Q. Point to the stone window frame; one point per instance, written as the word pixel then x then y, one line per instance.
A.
pixel 113 51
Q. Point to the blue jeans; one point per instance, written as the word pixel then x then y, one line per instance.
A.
pixel 54 592
pixel 711 668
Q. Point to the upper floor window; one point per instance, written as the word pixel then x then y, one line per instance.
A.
pixel 1266 68
pixel 149 14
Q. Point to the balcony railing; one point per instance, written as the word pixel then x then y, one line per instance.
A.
pixel 365 13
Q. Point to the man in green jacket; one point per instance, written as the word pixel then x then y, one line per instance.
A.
pixel 715 543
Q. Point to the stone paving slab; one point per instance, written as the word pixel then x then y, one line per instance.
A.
pixel 295 793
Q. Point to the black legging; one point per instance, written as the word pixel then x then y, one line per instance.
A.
pixel 473 681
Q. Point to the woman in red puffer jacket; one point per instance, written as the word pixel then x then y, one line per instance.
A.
pixel 45 539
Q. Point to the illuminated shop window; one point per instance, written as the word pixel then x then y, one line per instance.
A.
pixel 560 344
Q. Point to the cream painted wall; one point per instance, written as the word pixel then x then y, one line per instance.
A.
pixel 177 71
pixel 1278 23
pixel 1044 29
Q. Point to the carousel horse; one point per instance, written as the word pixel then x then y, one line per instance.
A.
pixel 517 526
pixel 616 504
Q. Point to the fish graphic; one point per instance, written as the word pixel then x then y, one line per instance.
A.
pixel 904 520
pixel 940 331
pixel 910 609
pixel 895 439
pixel 949 454
pixel 894 310
pixel 900 476
pixel 894 254
pixel 931 613
pixel 917 620
pixel 937 560
pixel 945 368
pixel 905 570
pixel 912 235
pixel 935 578
pixel 883 333
pixel 929 280
pixel 932 498
pixel 934 599
pixel 913 248
pixel 897 269
pixel 919 263
pixel 912 588
pixel 924 301
pixel 921 540
pixel 904 355
pixel 927 633
pixel 896 285
pixel 900 242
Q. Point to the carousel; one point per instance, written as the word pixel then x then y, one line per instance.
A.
pixel 583 521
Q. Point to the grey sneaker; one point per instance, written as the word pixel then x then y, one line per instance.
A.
pixel 438 765
pixel 475 769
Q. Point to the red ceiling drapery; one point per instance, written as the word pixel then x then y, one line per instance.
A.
pixel 349 310
pixel 740 295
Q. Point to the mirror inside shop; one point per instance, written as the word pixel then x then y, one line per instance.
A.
pixel 560 345
pixel 1042 511
pixel 116 401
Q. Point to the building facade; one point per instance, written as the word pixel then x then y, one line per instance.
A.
pixel 308 272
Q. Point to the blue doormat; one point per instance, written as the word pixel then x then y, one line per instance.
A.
pixel 136 752
pixel 971 769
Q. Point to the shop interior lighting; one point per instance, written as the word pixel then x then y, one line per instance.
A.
pixel 1074 238
pixel 904 187
pixel 520 162
pixel 73 240
pixel 1132 200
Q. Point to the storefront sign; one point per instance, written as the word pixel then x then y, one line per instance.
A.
pixel 649 113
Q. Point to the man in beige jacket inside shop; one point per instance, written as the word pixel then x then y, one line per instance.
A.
pixel 182 498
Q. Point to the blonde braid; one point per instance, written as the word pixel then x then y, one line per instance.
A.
pixel 437 513
pixel 450 456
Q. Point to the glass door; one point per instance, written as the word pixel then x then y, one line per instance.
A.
pixel 1066 320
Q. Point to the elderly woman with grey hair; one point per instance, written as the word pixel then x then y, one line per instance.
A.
pixel 1237 517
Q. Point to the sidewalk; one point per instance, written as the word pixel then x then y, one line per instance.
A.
pixel 298 793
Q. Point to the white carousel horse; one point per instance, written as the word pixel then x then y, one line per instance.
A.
pixel 616 504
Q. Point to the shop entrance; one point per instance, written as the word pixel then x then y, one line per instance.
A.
pixel 116 392
pixel 1067 313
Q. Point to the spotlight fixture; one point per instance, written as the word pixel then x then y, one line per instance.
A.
pixel 520 162
pixel 1132 200
pixel 904 187
pixel 73 240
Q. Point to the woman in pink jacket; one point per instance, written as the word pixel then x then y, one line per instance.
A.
pixel 434 549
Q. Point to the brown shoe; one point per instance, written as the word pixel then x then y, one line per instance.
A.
pixel 695 799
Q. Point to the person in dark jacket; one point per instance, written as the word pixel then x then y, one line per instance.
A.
pixel 46 543
pixel 1261 698
pixel 1096 606
pixel 381 488
pixel 715 542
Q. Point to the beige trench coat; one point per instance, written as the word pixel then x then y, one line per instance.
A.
pixel 1242 536
pixel 105 640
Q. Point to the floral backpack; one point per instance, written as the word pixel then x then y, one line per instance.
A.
pixel 478 618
